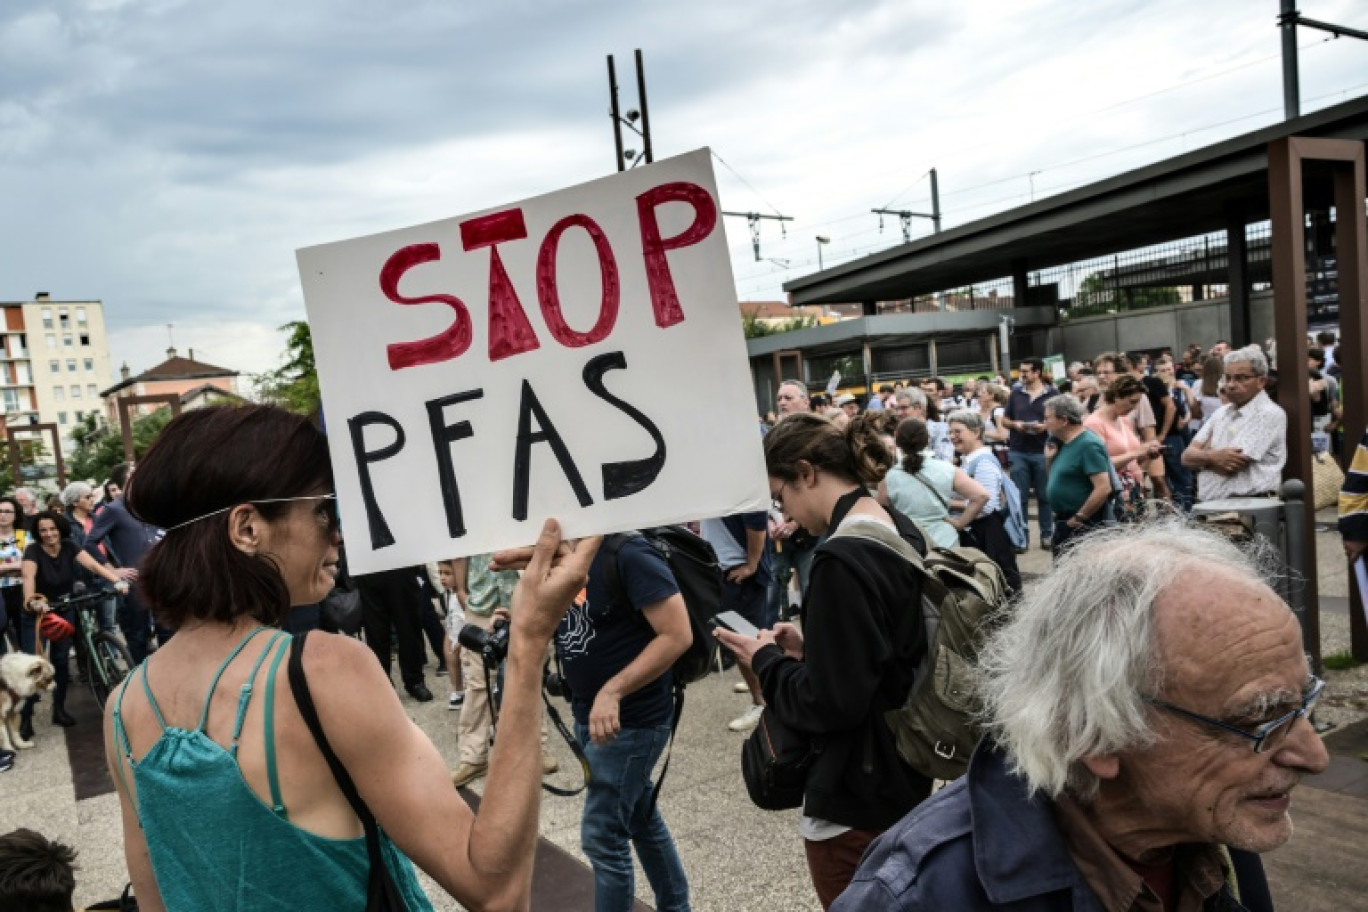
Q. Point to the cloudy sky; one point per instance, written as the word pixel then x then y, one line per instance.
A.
pixel 168 156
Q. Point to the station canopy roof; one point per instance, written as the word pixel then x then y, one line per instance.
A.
pixel 1192 194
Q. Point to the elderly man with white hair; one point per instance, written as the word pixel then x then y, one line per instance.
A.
pixel 1241 450
pixel 912 403
pixel 1147 723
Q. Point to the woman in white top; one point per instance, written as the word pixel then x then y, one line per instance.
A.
pixel 990 531
pixel 924 489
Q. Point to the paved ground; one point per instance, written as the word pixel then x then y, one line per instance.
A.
pixel 737 857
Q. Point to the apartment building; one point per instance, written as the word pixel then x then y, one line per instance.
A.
pixel 54 363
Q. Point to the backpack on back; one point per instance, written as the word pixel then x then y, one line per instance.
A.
pixel 1013 511
pixel 699 577
pixel 964 598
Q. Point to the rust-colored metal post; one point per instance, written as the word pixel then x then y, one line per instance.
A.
pixel 1351 247
pixel 1289 321
pixel 126 403
pixel 1285 159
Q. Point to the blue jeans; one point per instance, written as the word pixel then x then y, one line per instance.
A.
pixel 59 653
pixel 1180 477
pixel 786 561
pixel 137 625
pixel 616 808
pixel 1027 470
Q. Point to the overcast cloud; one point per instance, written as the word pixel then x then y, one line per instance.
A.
pixel 168 157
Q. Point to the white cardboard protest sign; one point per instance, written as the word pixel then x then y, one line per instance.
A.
pixel 577 355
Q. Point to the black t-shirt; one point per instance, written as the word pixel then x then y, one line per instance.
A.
pixel 597 639
pixel 56 575
pixel 1156 391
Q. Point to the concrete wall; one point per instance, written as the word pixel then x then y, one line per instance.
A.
pixel 1203 322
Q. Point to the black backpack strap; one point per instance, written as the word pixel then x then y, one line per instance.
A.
pixel 612 549
pixel 381 892
pixel 669 748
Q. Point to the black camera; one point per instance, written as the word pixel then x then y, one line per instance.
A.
pixel 491 644
pixel 554 683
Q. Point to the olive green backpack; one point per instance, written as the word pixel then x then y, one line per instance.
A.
pixel 964 598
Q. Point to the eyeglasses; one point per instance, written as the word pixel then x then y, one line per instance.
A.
pixel 1270 734
pixel 327 509
pixel 777 498
pixel 1239 378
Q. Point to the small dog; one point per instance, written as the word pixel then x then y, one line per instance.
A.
pixel 21 676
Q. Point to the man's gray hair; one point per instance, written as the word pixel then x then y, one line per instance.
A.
pixel 799 385
pixel 74 492
pixel 1251 355
pixel 1067 676
pixel 1066 408
pixel 967 417
pixel 914 397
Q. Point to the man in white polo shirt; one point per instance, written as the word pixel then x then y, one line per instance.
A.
pixel 1240 452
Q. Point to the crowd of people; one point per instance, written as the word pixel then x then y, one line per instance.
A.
pixel 1118 754
pixel 1169 440
pixel 80 539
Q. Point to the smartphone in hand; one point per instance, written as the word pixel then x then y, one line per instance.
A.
pixel 736 624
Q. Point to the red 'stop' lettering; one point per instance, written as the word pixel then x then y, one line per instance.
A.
pixel 453 341
pixel 664 298
pixel 509 332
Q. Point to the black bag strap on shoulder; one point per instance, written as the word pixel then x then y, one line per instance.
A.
pixel 382 895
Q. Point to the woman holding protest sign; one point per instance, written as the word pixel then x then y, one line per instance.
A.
pixel 859 644
pixel 275 761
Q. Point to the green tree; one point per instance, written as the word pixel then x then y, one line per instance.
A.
pixel 293 385
pixel 99 448
pixel 755 328
pixel 1097 294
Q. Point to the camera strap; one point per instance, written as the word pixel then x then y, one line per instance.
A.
pixel 560 725
pixel 574 746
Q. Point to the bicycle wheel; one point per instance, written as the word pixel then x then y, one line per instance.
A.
pixel 112 663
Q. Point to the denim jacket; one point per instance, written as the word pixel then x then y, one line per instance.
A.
pixel 984 843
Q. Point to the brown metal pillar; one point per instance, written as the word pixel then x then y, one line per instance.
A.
pixel 1285 158
pixel 1351 247
pixel 126 418
pixel 1289 321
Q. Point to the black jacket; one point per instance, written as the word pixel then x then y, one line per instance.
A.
pixel 863 637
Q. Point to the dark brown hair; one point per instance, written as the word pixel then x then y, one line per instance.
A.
pixel 1123 387
pixel 912 438
pixel 857 454
pixel 213 459
pixel 36 873
pixel 61 522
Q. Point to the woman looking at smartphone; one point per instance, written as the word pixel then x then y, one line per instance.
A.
pixel 854 659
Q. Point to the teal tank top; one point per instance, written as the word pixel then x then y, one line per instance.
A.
pixel 215 846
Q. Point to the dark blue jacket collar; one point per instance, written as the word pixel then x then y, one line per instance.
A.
pixel 1019 851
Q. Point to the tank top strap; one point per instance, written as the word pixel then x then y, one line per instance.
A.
pixel 245 694
pixel 213 685
pixel 151 700
pixel 122 742
pixel 272 773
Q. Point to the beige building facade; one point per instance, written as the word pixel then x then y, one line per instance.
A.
pixel 55 362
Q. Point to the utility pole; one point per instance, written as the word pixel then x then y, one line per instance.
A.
pixel 630 118
pixel 754 218
pixel 1288 20
pixel 905 216
pixel 1287 23
pixel 613 112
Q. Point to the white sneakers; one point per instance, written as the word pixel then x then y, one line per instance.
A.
pixel 456 700
pixel 741 687
pixel 747 720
